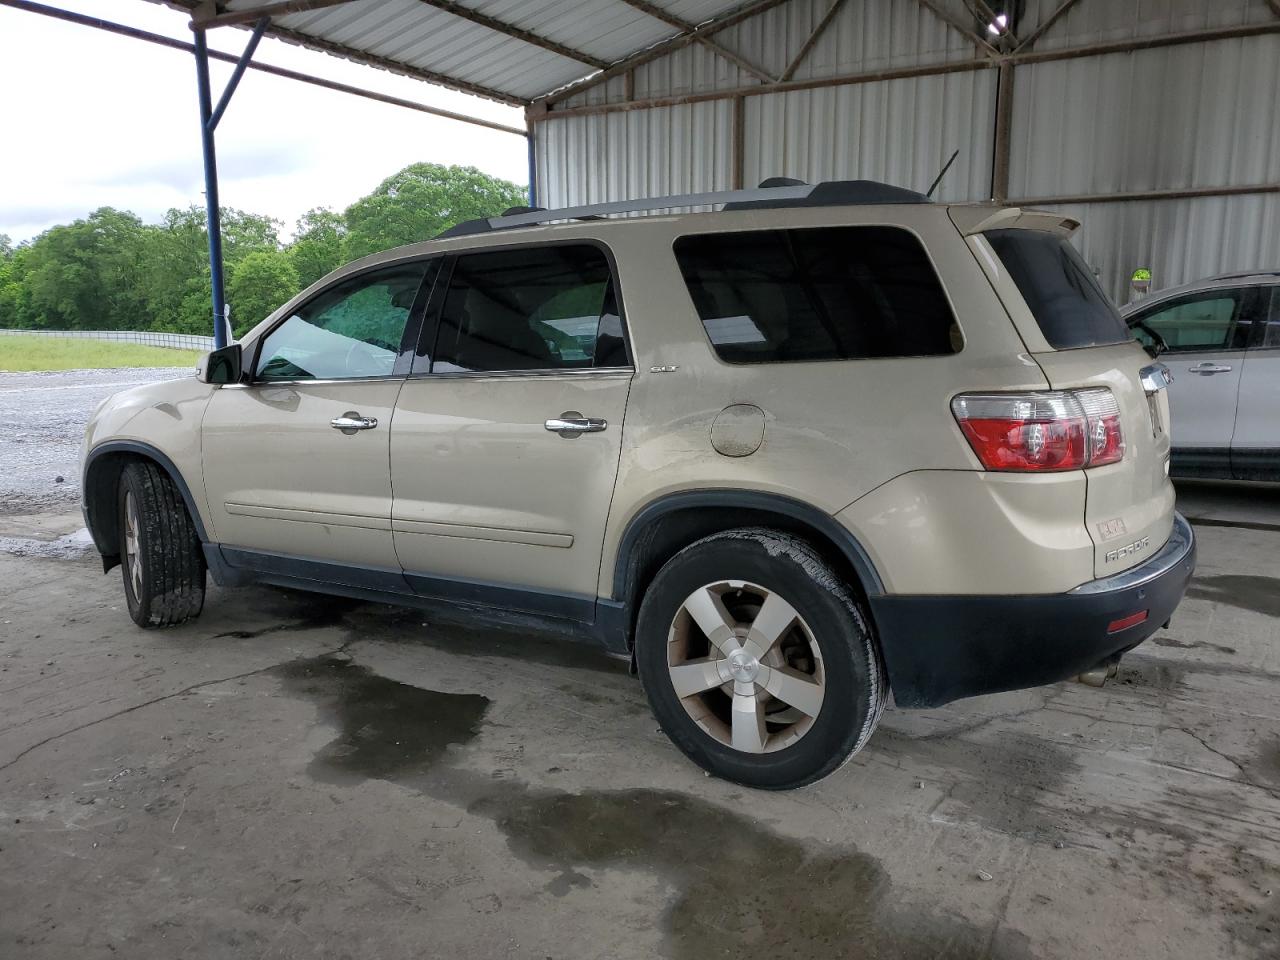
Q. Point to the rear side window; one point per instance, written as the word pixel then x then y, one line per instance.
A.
pixel 530 308
pixel 1059 289
pixel 832 293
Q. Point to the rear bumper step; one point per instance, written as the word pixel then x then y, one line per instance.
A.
pixel 942 648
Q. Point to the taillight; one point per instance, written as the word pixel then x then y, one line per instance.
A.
pixel 1106 439
pixel 1042 431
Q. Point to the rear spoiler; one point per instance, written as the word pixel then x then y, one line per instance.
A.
pixel 979 218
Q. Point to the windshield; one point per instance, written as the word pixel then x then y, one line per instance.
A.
pixel 1059 288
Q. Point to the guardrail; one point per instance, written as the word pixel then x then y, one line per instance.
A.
pixel 176 341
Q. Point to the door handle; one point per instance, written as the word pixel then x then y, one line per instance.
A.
pixel 1208 367
pixel 571 423
pixel 351 421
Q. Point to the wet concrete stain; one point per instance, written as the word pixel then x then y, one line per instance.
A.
pixel 1012 783
pixel 1192 645
pixel 740 887
pixel 387 730
pixel 297 610
pixel 1259 594
pixel 1264 766
pixel 1162 675
pixel 743 890
pixel 458 631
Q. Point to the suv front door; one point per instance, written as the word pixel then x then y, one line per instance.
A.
pixel 506 439
pixel 1206 335
pixel 296 460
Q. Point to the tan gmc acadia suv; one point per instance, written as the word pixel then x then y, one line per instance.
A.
pixel 826 443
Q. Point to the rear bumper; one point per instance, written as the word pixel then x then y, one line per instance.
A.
pixel 941 648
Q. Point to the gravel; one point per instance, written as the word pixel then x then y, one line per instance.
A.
pixel 45 415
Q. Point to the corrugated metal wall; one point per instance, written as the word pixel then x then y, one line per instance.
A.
pixel 1179 117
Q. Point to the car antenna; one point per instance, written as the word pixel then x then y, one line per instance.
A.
pixel 943 173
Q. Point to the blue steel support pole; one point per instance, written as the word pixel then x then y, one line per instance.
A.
pixel 211 191
pixel 241 65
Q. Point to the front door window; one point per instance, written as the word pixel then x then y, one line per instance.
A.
pixel 352 330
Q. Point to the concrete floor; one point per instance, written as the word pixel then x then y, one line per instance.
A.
pixel 299 776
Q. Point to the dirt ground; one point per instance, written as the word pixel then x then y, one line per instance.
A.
pixel 299 776
pixel 39 455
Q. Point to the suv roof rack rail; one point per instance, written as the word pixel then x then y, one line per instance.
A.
pixel 774 193
pixel 1241 274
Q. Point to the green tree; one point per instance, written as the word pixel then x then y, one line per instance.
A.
pixel 15 301
pixel 318 243
pixel 84 275
pixel 6 246
pixel 259 282
pixel 175 275
pixel 420 201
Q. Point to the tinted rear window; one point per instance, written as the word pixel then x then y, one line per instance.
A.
pixel 832 293
pixel 1059 288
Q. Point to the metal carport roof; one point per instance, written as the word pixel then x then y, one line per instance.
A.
pixel 512 51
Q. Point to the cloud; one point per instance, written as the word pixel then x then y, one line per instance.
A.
pixel 111 121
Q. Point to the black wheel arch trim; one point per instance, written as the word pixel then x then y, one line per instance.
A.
pixel 138 448
pixel 819 520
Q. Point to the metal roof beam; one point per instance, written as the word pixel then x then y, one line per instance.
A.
pixel 661 49
pixel 300 39
pixel 939 11
pixel 510 30
pixel 394 66
pixel 540 112
pixel 684 26
pixel 236 17
pixel 1049 21
pixel 809 44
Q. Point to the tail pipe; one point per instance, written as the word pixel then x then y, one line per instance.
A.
pixel 1099 675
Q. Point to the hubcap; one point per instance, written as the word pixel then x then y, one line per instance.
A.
pixel 133 565
pixel 746 666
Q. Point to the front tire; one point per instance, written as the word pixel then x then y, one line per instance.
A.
pixel 160 551
pixel 757 661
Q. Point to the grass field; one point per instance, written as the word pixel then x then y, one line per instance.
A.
pixel 23 354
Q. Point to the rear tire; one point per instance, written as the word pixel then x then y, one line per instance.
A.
pixel 757 660
pixel 160 551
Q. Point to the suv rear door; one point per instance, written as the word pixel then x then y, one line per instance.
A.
pixel 1206 333
pixel 1255 446
pixel 506 438
pixel 1075 334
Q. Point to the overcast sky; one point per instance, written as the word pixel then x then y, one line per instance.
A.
pixel 90 119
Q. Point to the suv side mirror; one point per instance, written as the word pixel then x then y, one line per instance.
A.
pixel 221 366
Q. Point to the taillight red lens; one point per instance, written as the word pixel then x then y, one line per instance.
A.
pixel 1041 431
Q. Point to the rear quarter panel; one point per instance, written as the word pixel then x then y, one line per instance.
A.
pixel 834 431
pixel 1128 505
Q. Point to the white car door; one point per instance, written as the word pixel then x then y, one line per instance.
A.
pixel 1255 448
pixel 1206 347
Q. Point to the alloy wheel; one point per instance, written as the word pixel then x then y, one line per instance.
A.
pixel 746 667
pixel 133 563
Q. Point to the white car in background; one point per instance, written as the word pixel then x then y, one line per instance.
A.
pixel 1220 337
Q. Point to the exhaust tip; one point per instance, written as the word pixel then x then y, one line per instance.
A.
pixel 1099 675
pixel 1096 677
